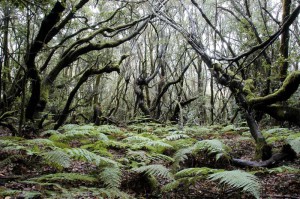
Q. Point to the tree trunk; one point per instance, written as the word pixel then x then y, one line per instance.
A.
pixel 284 43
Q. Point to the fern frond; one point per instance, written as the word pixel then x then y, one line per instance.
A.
pixel 111 176
pixel 14 149
pixel 140 156
pixel 212 146
pixel 239 179
pixel 170 186
pixel 136 139
pixel 158 156
pixel 41 142
pixel 88 127
pixel 295 144
pixel 49 132
pixel 181 155
pixel 156 170
pixel 109 129
pixel 192 172
pixel 57 158
pixel 215 147
pixel 197 130
pixel 151 145
pixel 83 154
pixel 65 177
pixel 10 159
pixel 113 193
pixel 67 127
pixel 284 169
pixel 158 144
pixel 176 137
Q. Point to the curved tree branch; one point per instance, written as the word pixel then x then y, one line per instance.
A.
pixel 82 80
pixel 288 88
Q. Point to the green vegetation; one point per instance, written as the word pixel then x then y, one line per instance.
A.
pixel 137 161
pixel 149 99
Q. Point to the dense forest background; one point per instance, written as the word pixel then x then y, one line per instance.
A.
pixel 180 64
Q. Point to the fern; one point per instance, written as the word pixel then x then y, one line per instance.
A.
pixel 67 127
pixel 228 128
pixel 284 169
pixel 212 146
pixel 158 144
pixel 175 137
pixel 57 158
pixel 197 130
pixel 239 179
pixel 111 193
pixel 10 159
pixel 83 154
pixel 140 156
pixel 295 144
pixel 109 130
pixel 41 142
pixel 192 172
pixel 181 156
pixel 189 176
pixel 88 127
pixel 65 177
pixel 136 139
pixel 101 146
pixel 111 176
pixel 158 156
pixel 215 147
pixel 156 170
pixel 171 186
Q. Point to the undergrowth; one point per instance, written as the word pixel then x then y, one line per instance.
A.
pixel 147 160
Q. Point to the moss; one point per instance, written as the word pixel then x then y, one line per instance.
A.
pixel 263 151
pixel 289 86
pixel 44 93
pixel 248 89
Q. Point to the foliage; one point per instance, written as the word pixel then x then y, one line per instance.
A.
pixel 209 147
pixel 111 176
pixel 156 170
pixel 189 176
pixel 108 158
pixel 64 177
pixel 239 179
pixel 57 158
pixel 90 157
pixel 295 144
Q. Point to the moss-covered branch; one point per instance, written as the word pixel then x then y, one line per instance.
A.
pixel 283 113
pixel 288 88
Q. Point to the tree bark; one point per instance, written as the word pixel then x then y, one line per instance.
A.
pixel 285 37
pixel 32 72
pixel 83 79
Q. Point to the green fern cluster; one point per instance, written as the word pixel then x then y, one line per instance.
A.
pixel 64 177
pixel 294 141
pixel 233 179
pixel 140 142
pixel 240 180
pixel 154 152
pixel 209 147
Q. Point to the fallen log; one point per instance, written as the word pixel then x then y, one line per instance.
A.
pixel 287 153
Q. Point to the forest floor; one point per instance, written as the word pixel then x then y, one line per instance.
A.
pixel 143 161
